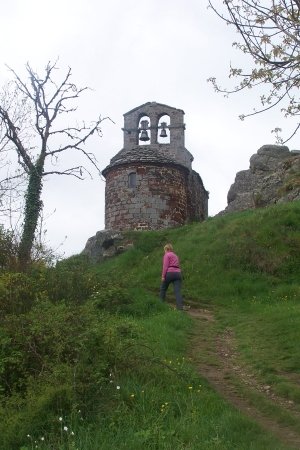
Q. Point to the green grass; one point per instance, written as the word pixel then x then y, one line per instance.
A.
pixel 164 404
pixel 246 268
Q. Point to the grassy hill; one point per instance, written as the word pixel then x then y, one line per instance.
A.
pixel 91 359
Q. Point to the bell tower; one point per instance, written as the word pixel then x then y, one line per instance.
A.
pixel 144 126
pixel 137 127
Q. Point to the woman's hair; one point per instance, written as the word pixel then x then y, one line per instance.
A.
pixel 168 248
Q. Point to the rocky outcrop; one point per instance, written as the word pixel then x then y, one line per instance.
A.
pixel 105 244
pixel 273 176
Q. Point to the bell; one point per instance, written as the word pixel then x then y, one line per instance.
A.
pixel 163 133
pixel 144 136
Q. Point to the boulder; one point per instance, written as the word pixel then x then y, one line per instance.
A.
pixel 273 176
pixel 105 244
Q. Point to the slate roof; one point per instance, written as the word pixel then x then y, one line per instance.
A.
pixel 139 155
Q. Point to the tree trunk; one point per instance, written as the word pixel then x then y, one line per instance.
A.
pixel 33 206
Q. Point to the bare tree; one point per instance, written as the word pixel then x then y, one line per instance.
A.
pixel 32 117
pixel 270 34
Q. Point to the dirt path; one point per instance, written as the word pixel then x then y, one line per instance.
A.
pixel 218 362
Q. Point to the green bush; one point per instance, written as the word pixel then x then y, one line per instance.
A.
pixel 57 356
pixel 26 420
pixel 8 250
pixel 71 281
pixel 113 298
pixel 18 292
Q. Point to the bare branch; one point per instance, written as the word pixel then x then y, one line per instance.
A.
pixel 12 135
pixel 77 172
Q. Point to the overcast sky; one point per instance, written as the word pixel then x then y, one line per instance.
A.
pixel 132 52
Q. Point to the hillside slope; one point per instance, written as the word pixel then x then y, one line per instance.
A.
pixel 91 359
pixel 243 270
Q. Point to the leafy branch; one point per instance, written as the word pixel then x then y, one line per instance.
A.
pixel 270 34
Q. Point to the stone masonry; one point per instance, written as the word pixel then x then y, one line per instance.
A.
pixel 152 186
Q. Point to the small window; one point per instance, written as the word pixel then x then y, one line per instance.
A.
pixel 132 180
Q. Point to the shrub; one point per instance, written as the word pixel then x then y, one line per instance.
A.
pixel 8 249
pixel 113 298
pixel 18 291
pixel 55 357
pixel 70 280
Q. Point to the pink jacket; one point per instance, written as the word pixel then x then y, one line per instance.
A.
pixel 170 263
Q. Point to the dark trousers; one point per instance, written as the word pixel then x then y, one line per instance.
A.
pixel 175 278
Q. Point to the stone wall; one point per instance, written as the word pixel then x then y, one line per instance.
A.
pixel 197 198
pixel 159 199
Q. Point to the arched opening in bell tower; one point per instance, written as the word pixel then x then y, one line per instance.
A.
pixel 163 136
pixel 144 136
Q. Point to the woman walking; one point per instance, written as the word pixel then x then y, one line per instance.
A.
pixel 171 273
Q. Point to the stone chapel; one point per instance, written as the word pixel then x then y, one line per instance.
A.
pixel 150 183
